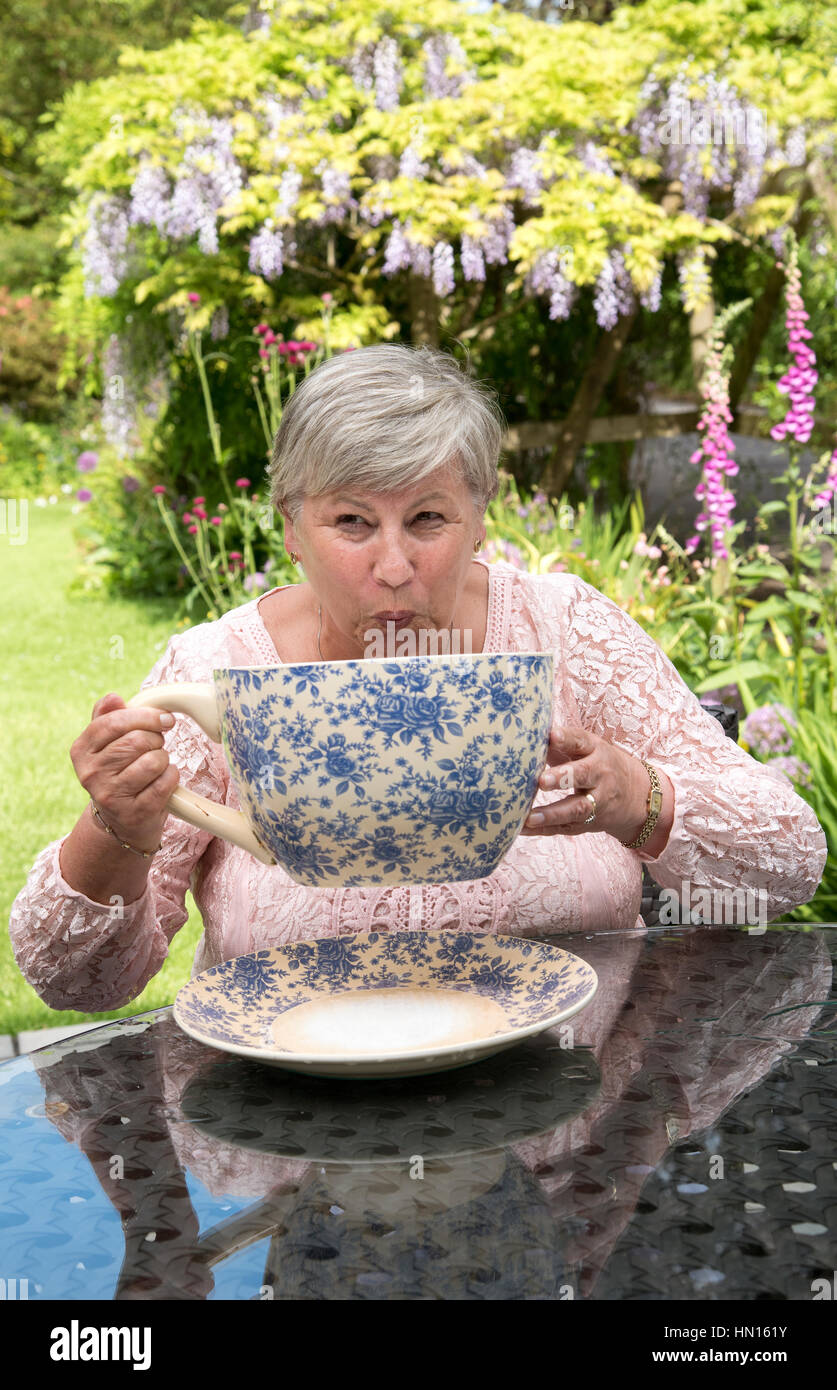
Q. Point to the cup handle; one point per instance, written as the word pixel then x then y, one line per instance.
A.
pixel 198 700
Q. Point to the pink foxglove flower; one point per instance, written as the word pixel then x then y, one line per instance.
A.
pixel 716 448
pixel 801 377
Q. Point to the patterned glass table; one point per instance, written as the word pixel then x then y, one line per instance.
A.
pixel 675 1140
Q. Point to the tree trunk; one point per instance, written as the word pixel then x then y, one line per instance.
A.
pixel 559 465
pixel 824 189
pixel 700 334
pixel 424 311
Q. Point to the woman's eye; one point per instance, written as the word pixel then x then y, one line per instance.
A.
pixel 351 521
pixel 433 516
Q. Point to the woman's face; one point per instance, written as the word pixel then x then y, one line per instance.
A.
pixel 371 558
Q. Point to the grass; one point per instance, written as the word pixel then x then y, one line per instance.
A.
pixel 62 653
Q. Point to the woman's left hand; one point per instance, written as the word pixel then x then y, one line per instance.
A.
pixel 581 762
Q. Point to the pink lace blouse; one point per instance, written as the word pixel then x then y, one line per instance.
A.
pixel 737 824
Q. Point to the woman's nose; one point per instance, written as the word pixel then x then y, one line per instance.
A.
pixel 392 566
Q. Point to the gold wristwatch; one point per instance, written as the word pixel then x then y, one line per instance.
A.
pixel 653 807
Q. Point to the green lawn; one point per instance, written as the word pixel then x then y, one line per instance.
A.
pixel 61 654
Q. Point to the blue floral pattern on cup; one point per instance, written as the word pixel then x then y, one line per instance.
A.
pixel 416 770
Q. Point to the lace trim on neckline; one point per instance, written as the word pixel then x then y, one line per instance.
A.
pixel 497 615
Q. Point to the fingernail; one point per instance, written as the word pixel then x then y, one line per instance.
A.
pixel 536 818
pixel 166 720
pixel 548 780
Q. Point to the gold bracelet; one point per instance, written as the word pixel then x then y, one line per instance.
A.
pixel 653 806
pixel 143 853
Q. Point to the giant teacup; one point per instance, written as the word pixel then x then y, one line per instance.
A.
pixel 376 771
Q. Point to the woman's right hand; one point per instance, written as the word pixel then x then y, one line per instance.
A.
pixel 120 761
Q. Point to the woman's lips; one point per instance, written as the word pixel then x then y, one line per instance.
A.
pixel 401 617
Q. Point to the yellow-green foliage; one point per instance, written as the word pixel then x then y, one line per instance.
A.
pixel 530 82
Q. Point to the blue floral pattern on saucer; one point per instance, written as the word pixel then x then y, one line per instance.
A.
pixel 533 985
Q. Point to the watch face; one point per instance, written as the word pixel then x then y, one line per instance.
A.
pixel 656 801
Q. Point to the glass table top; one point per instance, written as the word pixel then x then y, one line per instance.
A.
pixel 674 1140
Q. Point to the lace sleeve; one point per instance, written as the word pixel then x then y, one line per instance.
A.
pixel 90 956
pixel 738 824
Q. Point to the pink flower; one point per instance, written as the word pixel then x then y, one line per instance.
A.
pixel 222 507
pixel 87 461
pixel 84 494
pixel 198 501
pixel 261 328
pixel 257 581
pixel 200 513
pixel 158 489
pixel 327 298
pixel 187 517
pixel 242 482
pixel 216 521
pixel 801 378
pixel 192 530
pixel 193 298
pixel 236 555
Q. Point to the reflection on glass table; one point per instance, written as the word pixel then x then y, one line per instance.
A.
pixel 674 1140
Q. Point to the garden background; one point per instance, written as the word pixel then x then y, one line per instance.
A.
pixel 596 208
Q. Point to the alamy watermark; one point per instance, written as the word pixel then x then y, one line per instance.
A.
pixel 723 906
pixel 14 519
pixel 426 642
pixel 724 125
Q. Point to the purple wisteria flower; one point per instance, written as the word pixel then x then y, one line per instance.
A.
pixel 764 732
pixel 801 378
pixel 337 194
pixel 437 81
pixel 105 246
pixel 613 295
pixel 471 258
pixel 389 77
pixel 547 277
pixel 411 165
pixel 526 174
pixel 402 253
pixel 443 281
pixel 267 251
pixel 289 187
pixel 495 244
pixel 706 135
pixel 150 196
pixel 207 177
pixel 593 159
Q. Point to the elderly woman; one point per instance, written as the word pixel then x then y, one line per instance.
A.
pixel 383 466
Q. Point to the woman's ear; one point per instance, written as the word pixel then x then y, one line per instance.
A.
pixel 290 535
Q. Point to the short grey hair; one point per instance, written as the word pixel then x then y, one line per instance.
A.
pixel 382 418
